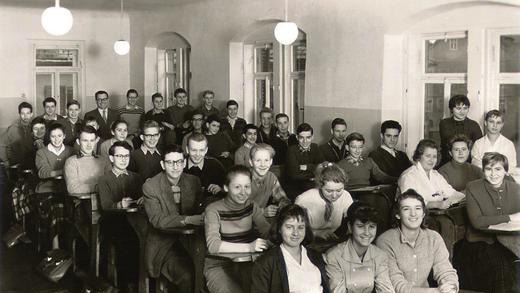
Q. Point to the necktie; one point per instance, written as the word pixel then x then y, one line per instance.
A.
pixel 105 115
pixel 329 207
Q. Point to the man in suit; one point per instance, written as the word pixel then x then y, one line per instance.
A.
pixel 103 114
pixel 172 200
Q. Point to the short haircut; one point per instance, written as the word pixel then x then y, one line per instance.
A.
pixel 236 170
pixel 491 158
pixel 212 118
pixel 494 113
pixel 197 137
pixel 49 100
pixel 123 144
pixel 280 115
pixel 231 103
pixel 304 127
pixel 73 102
pixel 55 126
pixel 421 148
pixel 150 124
pixel 338 121
pixel 89 119
pixel 131 91
pixel 98 93
pixel 249 126
pixel 354 136
pixel 328 171
pixel 410 193
pixel 390 124
pixel 266 110
pixel 114 124
pixel 262 147
pixel 457 100
pixel 362 212
pixel 292 211
pixel 179 91
pixel 156 95
pixel 459 137
pixel 207 92
pixel 197 112
pixel 38 120
pixel 25 105
pixel 172 148
pixel 87 129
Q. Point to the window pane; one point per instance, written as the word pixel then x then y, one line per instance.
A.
pixel 44 83
pixel 170 89
pixel 433 110
pixel 458 89
pixel 299 52
pixel 171 60
pixel 264 59
pixel 298 90
pixel 509 104
pixel 68 86
pixel 510 53
pixel 57 57
pixel 261 93
pixel 446 56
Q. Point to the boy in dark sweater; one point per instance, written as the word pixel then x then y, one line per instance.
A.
pixel 336 149
pixel 146 160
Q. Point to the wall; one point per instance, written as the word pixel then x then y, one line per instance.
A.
pixel 103 68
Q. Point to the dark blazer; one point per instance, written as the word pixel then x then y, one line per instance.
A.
pixel 270 272
pixel 104 127
pixel 163 213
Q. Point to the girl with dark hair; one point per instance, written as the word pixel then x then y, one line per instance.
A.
pixel 414 251
pixel 357 265
pixel 290 267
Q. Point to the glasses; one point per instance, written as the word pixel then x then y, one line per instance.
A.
pixel 172 163
pixel 122 156
pixel 153 135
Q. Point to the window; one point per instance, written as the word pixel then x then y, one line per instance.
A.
pixel 298 61
pixel 173 71
pixel 263 75
pixel 58 73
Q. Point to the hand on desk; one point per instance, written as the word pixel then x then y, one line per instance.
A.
pixel 270 211
pixel 515 217
pixel 196 220
pixel 126 201
pixel 258 245
pixel 214 188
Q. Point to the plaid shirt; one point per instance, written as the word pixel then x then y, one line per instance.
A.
pixel 21 205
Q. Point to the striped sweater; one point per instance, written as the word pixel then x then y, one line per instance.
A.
pixel 227 221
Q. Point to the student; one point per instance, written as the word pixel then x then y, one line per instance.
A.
pixel 131 113
pixel 49 162
pixel 458 172
pixel 20 129
pixel 232 124
pixel 423 178
pixel 50 115
pixel 359 169
pixel 146 160
pixel 266 190
pixel 220 144
pixel 327 204
pixel 103 114
pixel 209 170
pixel 302 159
pixel 207 107
pixel 242 154
pixel 458 123
pixel 197 122
pixel 180 114
pixel 336 149
pixel 230 226
pixel 266 127
pixel 282 139
pixel 117 189
pixel 119 130
pixel 387 157
pixel 157 113
pixel 357 265
pixel 92 122
pixel 72 123
pixel 172 199
pixel 414 251
pixel 23 151
pixel 291 266
pixel 494 141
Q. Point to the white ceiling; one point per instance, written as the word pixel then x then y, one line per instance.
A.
pixel 100 4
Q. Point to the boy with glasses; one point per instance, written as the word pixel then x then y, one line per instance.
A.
pixel 146 159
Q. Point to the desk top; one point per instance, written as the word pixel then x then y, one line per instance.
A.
pixel 508 227
pixel 237 256
pixel 87 195
pixel 132 209
pixel 371 188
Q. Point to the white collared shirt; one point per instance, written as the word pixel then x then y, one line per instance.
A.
pixel 304 277
pixel 502 145
pixel 147 150
pixel 416 178
pixel 232 121
pixel 54 151
pixel 101 112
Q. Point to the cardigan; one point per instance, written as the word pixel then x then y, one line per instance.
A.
pixel 459 175
pixel 332 153
pixel 112 189
pixel 348 272
pixel 47 162
pixel 71 131
pixel 393 166
pixel 270 272
pixel 487 205
pixel 147 165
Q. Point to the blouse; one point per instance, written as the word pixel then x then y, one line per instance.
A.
pixel 347 272
pixel 502 145
pixel 306 271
